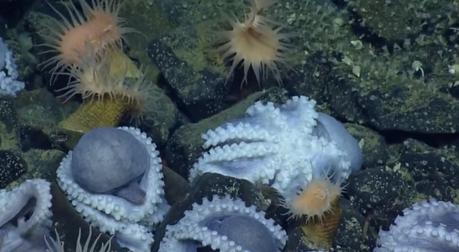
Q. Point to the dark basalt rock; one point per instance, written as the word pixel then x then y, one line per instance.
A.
pixel 199 94
pixel 8 112
pixel 11 167
pixel 435 172
pixel 379 193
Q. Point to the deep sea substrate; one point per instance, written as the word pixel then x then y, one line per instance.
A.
pixel 396 91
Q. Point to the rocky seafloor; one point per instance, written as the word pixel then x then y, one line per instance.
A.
pixel 387 69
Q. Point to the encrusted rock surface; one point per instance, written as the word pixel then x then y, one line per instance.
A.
pixel 11 168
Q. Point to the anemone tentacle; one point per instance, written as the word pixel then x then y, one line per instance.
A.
pixel 93 29
pixel 256 43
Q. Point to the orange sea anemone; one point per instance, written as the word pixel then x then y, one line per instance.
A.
pixel 315 199
pixel 114 76
pixel 92 30
pixel 256 43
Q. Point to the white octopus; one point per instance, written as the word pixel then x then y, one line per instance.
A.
pixel 25 216
pixel 426 226
pixel 9 85
pixel 128 222
pixel 283 146
pixel 200 227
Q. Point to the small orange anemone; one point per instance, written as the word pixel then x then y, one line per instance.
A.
pixel 90 31
pixel 113 76
pixel 256 43
pixel 315 199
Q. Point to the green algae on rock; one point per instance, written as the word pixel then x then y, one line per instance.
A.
pixel 38 115
pixel 200 93
pixel 42 163
pixel 387 93
pixel 389 86
pixel 373 145
pixel 149 23
pixel 40 109
pixel 398 20
pixel 160 116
